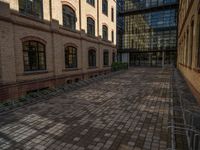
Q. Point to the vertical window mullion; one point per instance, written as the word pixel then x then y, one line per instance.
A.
pixel 71 57
pixel 37 53
pixel 30 63
pixel 45 57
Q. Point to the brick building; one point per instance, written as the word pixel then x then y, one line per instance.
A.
pixel 189 43
pixel 46 43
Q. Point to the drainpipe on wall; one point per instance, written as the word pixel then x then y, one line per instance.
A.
pixel 80 21
pixel 50 9
pixel 98 18
pixel 98 35
pixel 52 40
pixel 81 40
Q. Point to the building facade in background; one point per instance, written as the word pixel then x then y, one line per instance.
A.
pixel 150 32
pixel 46 43
pixel 189 42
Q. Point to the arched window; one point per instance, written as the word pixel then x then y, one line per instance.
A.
pixel 105 7
pixel 91 2
pixel 90 26
pixel 112 14
pixel 92 58
pixel 34 56
pixel 69 17
pixel 105 32
pixel 31 7
pixel 70 57
pixel 106 58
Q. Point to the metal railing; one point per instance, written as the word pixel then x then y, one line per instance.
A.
pixel 184 125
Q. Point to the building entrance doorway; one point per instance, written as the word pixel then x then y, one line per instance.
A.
pixel 152 58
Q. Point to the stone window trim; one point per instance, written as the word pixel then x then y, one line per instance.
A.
pixel 91 16
pixel 70 5
pixel 36 72
pixel 92 67
pixel 105 7
pixel 33 38
pixel 34 64
pixel 69 17
pixel 29 8
pixel 71 69
pixel 70 44
pixel 92 48
pixel 105 24
pixel 40 40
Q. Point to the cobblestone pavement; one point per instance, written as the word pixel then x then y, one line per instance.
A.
pixel 126 112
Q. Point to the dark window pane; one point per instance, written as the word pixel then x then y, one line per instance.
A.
pixel 71 57
pixel 105 32
pixel 31 7
pixel 92 58
pixel 113 57
pixel 34 56
pixel 90 26
pixel 69 17
pixel 105 7
pixel 106 58
pixel 38 8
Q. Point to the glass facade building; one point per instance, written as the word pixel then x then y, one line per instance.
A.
pixel 149 34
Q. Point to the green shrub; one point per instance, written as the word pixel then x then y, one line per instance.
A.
pixel 116 66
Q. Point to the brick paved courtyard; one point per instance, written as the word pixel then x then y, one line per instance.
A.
pixel 125 112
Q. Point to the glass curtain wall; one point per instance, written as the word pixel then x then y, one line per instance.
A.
pixel 150 31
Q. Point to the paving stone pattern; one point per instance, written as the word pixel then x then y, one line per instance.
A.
pixel 128 111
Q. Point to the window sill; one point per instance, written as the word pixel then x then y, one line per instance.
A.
pixel 91 36
pixel 106 40
pixel 29 16
pixel 106 66
pixel 35 72
pixel 68 29
pixel 70 69
pixel 92 67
